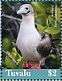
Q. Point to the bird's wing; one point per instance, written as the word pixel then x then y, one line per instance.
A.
pixel 44 47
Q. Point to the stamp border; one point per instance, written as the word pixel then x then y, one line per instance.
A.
pixel 1 42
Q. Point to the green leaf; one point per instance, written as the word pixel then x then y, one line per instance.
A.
pixel 6 43
pixel 56 36
pixel 9 63
pixel 53 56
pixel 46 4
pixel 21 63
pixel 16 57
pixel 52 30
pixel 39 15
pixel 52 21
pixel 38 7
pixel 58 14
pixel 41 20
pixel 39 27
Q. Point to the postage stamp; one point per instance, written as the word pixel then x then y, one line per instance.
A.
pixel 30 39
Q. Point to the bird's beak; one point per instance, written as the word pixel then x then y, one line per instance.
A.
pixel 22 10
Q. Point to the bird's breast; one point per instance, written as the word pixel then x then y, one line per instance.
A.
pixel 27 41
pixel 28 48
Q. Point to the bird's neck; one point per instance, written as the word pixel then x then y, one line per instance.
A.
pixel 28 20
pixel 27 28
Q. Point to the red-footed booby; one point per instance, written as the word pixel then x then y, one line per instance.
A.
pixel 34 46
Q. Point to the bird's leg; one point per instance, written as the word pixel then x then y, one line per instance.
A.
pixel 29 65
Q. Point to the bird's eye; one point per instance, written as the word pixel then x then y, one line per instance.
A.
pixel 26 8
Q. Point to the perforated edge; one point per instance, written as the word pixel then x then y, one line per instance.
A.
pixel 31 0
pixel 32 80
pixel 0 46
pixel 0 33
pixel 61 37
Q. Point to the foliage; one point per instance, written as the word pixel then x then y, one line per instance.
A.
pixel 45 23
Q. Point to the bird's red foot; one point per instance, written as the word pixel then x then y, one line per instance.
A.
pixel 28 65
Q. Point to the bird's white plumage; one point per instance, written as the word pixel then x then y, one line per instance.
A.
pixel 28 39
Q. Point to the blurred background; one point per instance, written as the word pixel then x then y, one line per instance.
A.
pixel 44 22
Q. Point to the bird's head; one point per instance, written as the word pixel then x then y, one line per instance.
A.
pixel 25 9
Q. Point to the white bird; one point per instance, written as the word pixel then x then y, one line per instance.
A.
pixel 34 46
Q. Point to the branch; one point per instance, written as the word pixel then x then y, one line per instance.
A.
pixel 11 17
pixel 10 57
pixel 11 7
